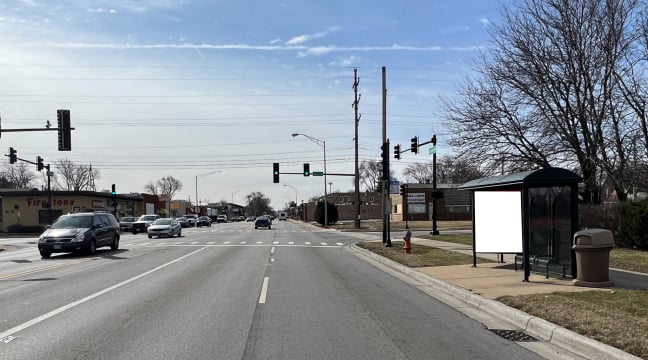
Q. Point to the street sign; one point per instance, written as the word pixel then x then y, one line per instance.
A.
pixel 416 198
pixel 317 173
pixel 432 150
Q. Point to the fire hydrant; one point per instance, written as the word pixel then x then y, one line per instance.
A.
pixel 408 242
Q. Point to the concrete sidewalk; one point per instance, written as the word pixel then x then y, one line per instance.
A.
pixel 473 290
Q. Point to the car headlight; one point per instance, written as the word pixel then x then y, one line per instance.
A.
pixel 80 236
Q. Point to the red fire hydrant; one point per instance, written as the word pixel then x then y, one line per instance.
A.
pixel 408 243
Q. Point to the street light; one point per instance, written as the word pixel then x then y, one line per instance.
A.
pixel 294 188
pixel 321 143
pixel 202 176
pixel 233 195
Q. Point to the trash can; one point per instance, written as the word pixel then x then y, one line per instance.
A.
pixel 592 248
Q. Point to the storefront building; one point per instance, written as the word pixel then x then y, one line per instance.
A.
pixel 28 207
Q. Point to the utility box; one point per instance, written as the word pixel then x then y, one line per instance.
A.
pixel 592 248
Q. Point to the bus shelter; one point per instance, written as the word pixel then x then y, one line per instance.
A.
pixel 532 214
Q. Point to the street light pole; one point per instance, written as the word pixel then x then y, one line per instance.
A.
pixel 294 188
pixel 321 143
pixel 201 176
pixel 233 195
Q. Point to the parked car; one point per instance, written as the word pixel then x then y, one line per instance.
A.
pixel 80 232
pixel 221 219
pixel 263 221
pixel 191 219
pixel 203 221
pixel 164 227
pixel 126 223
pixel 250 218
pixel 240 218
pixel 143 223
pixel 183 221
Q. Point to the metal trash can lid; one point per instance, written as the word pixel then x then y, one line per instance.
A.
pixel 594 237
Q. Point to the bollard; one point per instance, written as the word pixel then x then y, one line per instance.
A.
pixel 408 242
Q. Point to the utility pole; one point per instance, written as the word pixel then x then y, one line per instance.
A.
pixel 385 178
pixel 356 82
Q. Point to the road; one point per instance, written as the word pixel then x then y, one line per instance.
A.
pixel 227 292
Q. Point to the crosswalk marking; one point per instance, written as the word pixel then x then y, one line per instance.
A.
pixel 339 244
pixel 307 243
pixel 243 242
pixel 291 243
pixel 210 243
pixel 259 242
pixel 323 244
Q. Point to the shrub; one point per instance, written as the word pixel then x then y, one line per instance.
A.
pixel 605 216
pixel 332 214
pixel 25 229
pixel 633 230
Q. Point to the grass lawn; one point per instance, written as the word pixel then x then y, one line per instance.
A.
pixel 618 318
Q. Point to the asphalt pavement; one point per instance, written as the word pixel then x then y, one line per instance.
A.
pixel 472 290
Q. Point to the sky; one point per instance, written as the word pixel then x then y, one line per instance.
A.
pixel 209 92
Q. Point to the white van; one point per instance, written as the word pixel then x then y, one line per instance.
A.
pixel 283 216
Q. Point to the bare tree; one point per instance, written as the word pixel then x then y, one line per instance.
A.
pixel 547 93
pixel 167 185
pixel 371 174
pixel 151 188
pixel 450 170
pixel 75 177
pixel 19 176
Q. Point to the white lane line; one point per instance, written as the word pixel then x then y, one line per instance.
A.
pixel 291 243
pixel 162 243
pixel 323 244
pixel 264 291
pixel 243 242
pixel 272 250
pixel 226 242
pixel 271 260
pixel 275 242
pixel 307 243
pixel 55 312
pixel 194 243
pixel 210 243
pixel 259 242
pixel 339 244
pixel 178 243
pixel 145 244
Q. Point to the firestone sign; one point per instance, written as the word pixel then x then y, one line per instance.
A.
pixel 55 202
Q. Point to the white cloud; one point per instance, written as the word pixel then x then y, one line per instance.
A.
pixel 484 21
pixel 347 61
pixel 29 2
pixel 300 39
pixel 275 41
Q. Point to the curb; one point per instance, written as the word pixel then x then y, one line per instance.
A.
pixel 533 325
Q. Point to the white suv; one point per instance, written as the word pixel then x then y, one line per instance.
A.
pixel 221 219
pixel 283 216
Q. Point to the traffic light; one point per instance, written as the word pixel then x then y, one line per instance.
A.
pixel 39 163
pixel 275 172
pixel 414 145
pixel 385 160
pixel 113 192
pixel 64 130
pixel 397 152
pixel 12 155
pixel 307 169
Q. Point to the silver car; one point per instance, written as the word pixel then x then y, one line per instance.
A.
pixel 164 227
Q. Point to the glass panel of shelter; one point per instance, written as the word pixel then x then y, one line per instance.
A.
pixel 550 227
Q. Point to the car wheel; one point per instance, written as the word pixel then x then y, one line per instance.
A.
pixel 255 228
pixel 269 228
pixel 150 236
pixel 115 244
pixel 45 254
pixel 92 249
pixel 134 232
pixel 179 233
